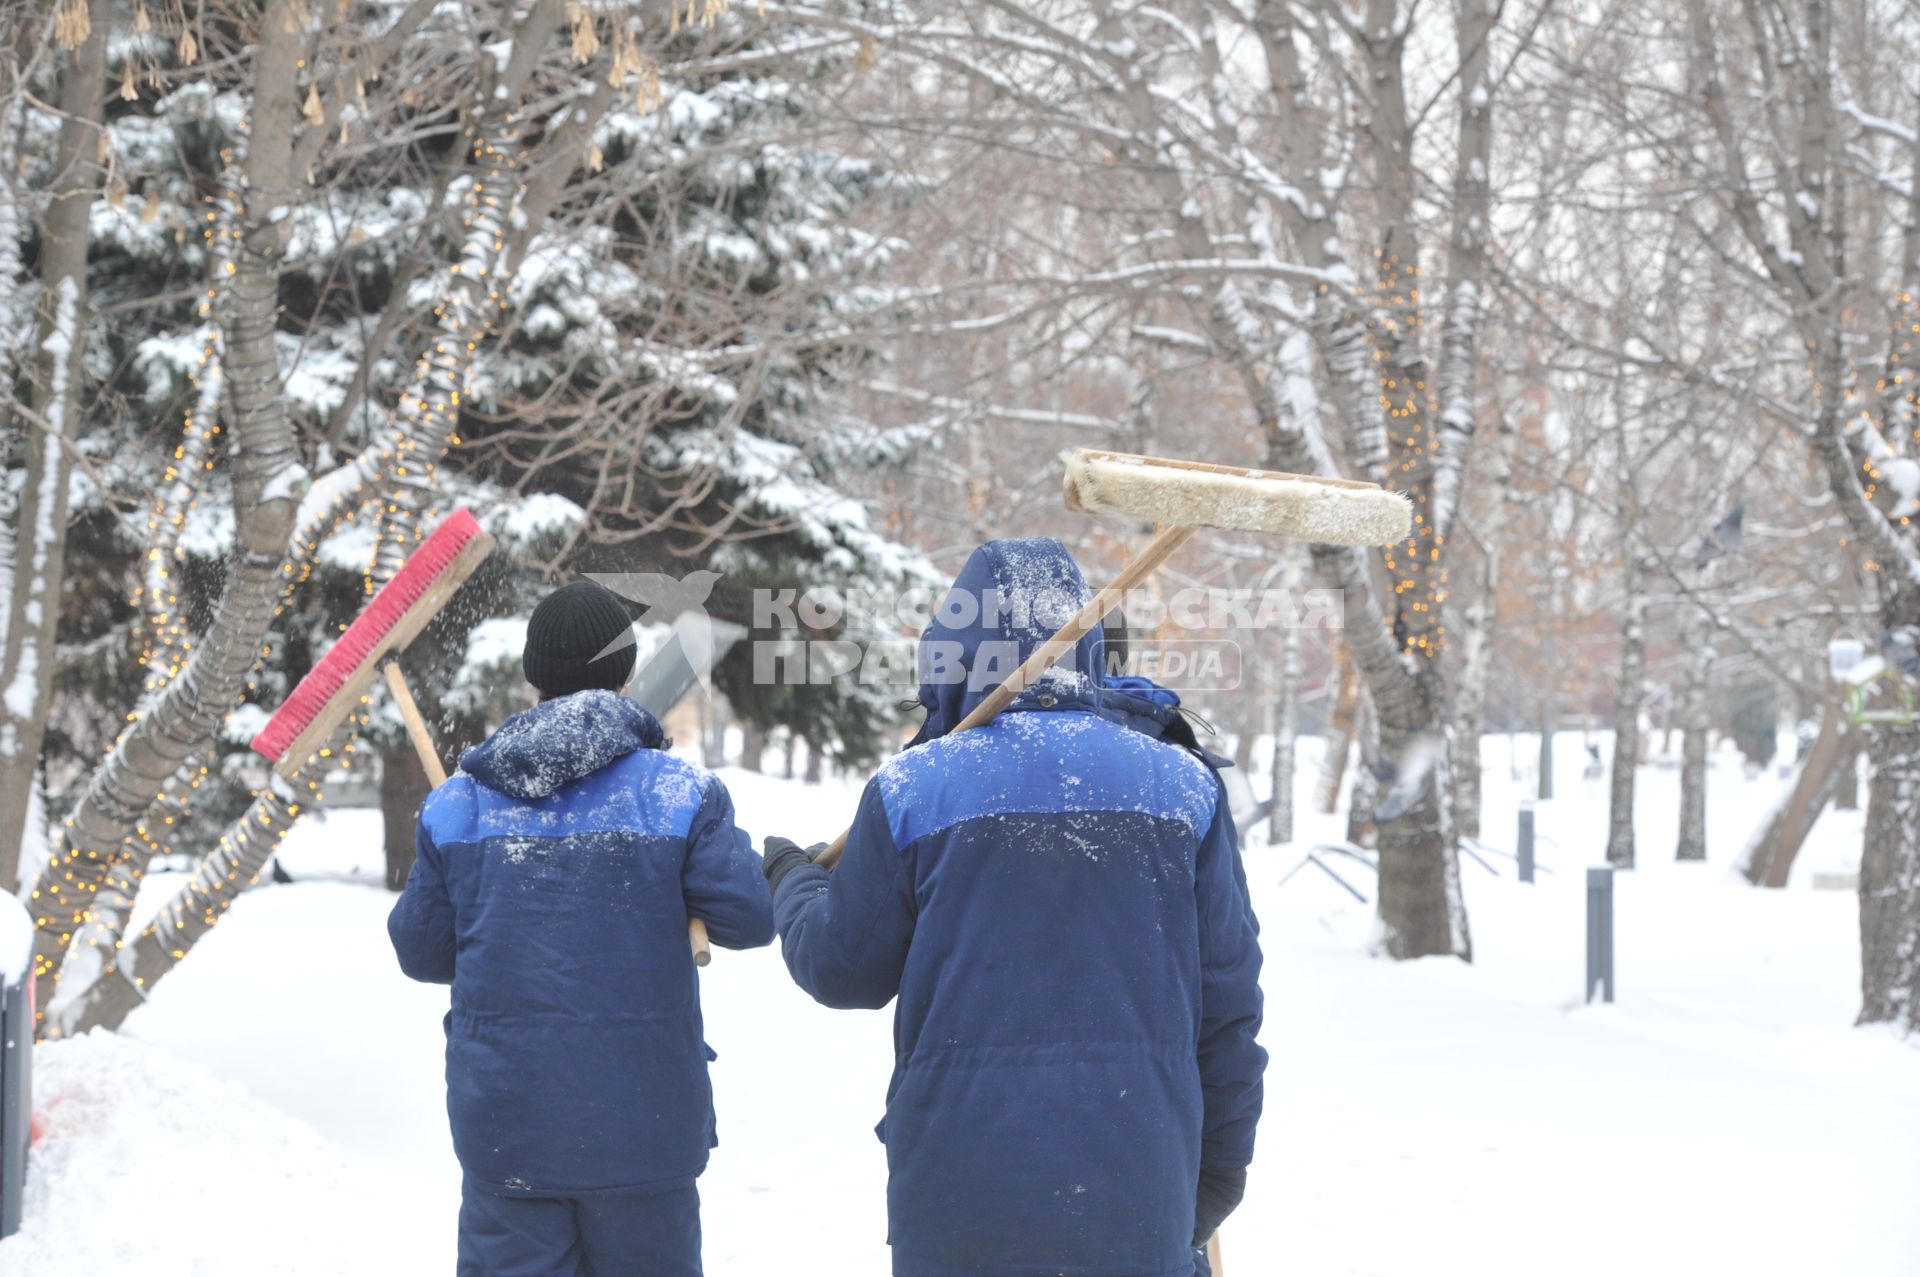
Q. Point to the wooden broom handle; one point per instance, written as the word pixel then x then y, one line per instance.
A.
pixel 437 773
pixel 1238 472
pixel 1157 551
pixel 416 726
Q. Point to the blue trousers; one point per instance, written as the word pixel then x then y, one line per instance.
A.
pixel 657 1235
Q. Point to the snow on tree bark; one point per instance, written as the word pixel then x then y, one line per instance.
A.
pixel 1696 726
pixel 39 529
pixel 1890 882
pixel 252 383
pixel 1286 727
pixel 266 477
pixel 1627 692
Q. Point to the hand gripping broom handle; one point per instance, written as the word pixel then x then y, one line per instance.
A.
pixel 1157 551
pixel 430 759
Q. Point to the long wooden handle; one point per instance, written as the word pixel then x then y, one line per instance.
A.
pixel 1157 551
pixel 416 726
pixel 1213 1255
pixel 430 759
pixel 1239 472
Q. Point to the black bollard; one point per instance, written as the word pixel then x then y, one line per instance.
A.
pixel 1600 932
pixel 16 1114
pixel 1523 852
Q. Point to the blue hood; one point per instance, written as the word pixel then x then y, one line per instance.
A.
pixel 1009 599
pixel 539 751
pixel 1138 685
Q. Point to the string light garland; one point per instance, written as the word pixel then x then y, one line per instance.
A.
pixel 429 407
pixel 400 478
pixel 167 642
pixel 1415 566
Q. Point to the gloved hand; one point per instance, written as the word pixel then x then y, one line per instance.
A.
pixel 781 856
pixel 1221 1188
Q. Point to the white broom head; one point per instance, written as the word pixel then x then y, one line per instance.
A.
pixel 1337 512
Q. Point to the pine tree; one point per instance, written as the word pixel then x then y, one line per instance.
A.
pixel 599 294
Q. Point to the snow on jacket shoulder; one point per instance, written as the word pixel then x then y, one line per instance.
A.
pixel 1055 901
pixel 554 878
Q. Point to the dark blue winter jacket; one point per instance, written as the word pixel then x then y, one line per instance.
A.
pixel 556 873
pixel 1054 900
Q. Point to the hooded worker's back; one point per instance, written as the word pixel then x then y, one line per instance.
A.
pixel 1053 899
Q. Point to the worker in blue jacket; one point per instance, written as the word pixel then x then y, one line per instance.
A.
pixel 1055 901
pixel 556 872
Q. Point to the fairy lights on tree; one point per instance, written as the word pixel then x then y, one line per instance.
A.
pixel 1415 566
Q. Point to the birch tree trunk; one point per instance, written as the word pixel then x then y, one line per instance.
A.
pixel 1890 881
pixel 1286 732
pixel 1627 695
pixel 1366 780
pixel 1695 725
pixel 14 329
pixel 1470 697
pixel 1549 720
pixel 28 653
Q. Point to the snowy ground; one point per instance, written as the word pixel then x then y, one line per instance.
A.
pixel 277 1108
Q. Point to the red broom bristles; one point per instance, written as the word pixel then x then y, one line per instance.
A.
pixel 362 641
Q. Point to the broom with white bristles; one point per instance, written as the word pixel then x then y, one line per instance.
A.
pixel 1190 495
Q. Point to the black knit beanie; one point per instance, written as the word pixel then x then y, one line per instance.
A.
pixel 568 630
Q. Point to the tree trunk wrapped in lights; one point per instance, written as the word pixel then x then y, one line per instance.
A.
pixel 497 215
pixel 411 447
pixel 188 697
pixel 267 480
pixel 115 988
pixel 430 407
pixel 168 642
pixel 39 524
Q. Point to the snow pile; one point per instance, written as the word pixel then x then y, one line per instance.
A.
pixel 1722 1116
pixel 16 939
pixel 152 1164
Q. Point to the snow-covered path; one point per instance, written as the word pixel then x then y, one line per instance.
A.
pixel 1429 1118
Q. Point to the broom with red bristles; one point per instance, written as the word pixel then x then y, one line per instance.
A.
pixel 389 623
pixel 395 617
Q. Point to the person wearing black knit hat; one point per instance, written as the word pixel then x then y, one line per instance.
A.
pixel 555 875
pixel 580 637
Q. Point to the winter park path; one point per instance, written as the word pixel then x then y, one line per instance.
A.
pixel 1422 1119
